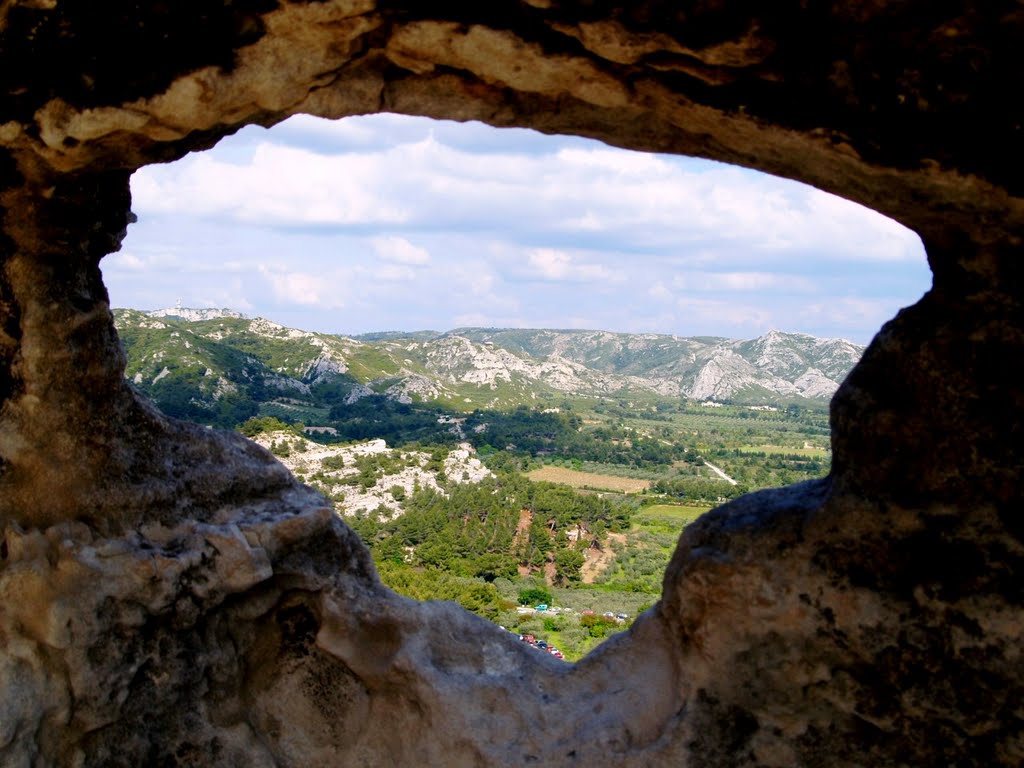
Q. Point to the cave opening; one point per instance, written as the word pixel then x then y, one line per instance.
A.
pixel 414 226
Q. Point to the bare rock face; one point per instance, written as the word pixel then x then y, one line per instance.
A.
pixel 170 596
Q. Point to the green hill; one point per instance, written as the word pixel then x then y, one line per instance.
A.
pixel 218 366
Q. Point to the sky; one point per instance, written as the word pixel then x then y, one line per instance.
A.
pixel 389 222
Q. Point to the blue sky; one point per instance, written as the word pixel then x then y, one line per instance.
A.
pixel 396 223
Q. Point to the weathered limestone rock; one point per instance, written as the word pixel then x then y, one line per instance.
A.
pixel 170 596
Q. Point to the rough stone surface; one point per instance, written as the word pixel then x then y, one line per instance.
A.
pixel 170 596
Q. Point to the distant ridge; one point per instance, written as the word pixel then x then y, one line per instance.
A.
pixel 222 352
pixel 397 335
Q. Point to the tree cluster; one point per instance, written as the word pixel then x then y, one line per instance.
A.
pixel 473 529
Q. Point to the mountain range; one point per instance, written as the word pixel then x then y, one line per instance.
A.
pixel 222 353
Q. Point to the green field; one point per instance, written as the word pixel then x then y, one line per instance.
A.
pixel 676 513
pixel 810 452
pixel 307 414
pixel 575 479
pixel 665 521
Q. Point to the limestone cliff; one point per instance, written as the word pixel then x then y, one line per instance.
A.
pixel 170 596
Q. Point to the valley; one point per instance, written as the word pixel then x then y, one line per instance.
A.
pixel 491 467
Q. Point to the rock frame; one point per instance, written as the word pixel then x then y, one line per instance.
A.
pixel 171 596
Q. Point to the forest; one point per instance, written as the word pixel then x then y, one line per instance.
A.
pixel 475 530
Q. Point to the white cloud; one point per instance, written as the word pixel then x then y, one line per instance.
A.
pixel 394 273
pixel 400 250
pixel 847 312
pixel 507 315
pixel 742 282
pixel 280 186
pixel 725 312
pixel 417 182
pixel 231 295
pixel 473 279
pixel 302 288
pixel 638 165
pixel 847 225
pixel 479 282
pixel 473 319
pixel 660 292
pixel 439 221
pixel 307 131
pixel 123 260
pixel 552 264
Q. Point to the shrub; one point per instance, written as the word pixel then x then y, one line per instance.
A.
pixel 333 462
pixel 554 623
pixel 572 640
pixel 258 424
pixel 530 626
pixel 535 596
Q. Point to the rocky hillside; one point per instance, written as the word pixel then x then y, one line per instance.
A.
pixel 220 360
pixel 369 476
pixel 779 364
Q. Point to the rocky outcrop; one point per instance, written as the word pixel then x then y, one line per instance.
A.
pixel 327 466
pixel 171 596
pixel 195 315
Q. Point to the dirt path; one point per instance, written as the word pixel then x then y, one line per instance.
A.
pixel 523 527
pixel 598 560
pixel 522 532
pixel 719 472
pixel 549 573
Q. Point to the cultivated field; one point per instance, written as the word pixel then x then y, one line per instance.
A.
pixel 576 479
pixel 676 512
pixel 307 414
pixel 809 452
pixel 667 519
